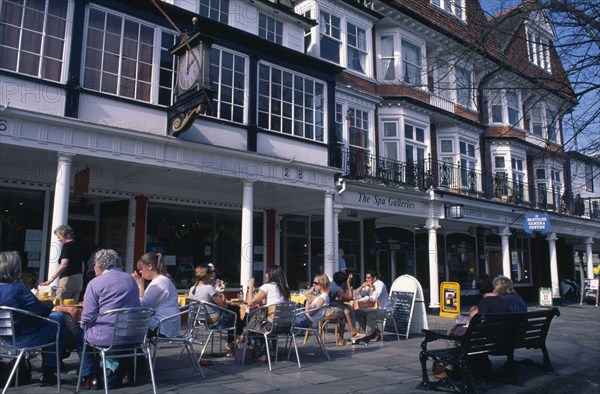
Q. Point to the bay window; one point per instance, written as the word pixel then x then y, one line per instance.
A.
pixel 119 58
pixel 464 86
pixel 388 60
pixel 290 103
pixel 228 77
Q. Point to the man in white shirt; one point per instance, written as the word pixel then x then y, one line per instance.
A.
pixel 367 317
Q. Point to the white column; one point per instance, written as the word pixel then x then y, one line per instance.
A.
pixel 589 257
pixel 505 252
pixel 434 283
pixel 336 236
pixel 551 237
pixel 247 251
pixel 60 210
pixel 129 249
pixel 328 238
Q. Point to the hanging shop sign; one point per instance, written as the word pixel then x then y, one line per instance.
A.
pixel 536 222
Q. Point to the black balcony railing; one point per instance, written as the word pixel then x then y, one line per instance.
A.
pixel 360 164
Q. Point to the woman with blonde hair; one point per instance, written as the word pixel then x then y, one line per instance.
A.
pixel 160 295
pixel 314 312
pixel 504 287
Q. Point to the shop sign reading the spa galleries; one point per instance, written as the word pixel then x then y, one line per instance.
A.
pixel 378 201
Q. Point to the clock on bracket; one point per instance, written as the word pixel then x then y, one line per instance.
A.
pixel 190 66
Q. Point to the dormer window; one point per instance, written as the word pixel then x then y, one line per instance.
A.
pixel 539 50
pixel 453 7
pixel 505 108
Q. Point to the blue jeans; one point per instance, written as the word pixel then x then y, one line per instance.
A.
pixel 91 363
pixel 227 320
pixel 45 334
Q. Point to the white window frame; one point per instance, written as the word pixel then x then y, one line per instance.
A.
pixel 215 9
pixel 332 32
pixel 469 89
pixel 238 95
pixel 538 49
pixel 468 158
pixel 589 177
pixel 405 41
pixel 156 51
pixel 388 63
pixel 340 35
pixel 499 99
pixel 44 37
pixel 297 115
pixel 359 47
pixel 390 142
pixel 518 174
pixel 456 8
pixel 270 28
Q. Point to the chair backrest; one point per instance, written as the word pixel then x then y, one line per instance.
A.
pixel 282 318
pixel 7 327
pixel 131 325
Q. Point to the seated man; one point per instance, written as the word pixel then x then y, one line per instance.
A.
pixel 341 292
pixel 367 316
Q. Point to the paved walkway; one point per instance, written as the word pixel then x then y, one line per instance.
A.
pixel 385 367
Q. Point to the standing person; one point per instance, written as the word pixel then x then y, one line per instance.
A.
pixel 503 286
pixel 111 288
pixel 367 317
pixel 160 295
pixel 313 317
pixel 30 331
pixel 341 260
pixel 71 265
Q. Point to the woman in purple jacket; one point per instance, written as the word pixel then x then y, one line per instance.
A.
pixel 112 288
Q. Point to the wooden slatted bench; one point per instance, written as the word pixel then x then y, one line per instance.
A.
pixel 492 334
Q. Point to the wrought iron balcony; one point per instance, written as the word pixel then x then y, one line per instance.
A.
pixel 359 164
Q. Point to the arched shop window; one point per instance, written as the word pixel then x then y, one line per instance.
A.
pixel 461 257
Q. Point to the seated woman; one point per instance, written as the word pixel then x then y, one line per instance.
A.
pixel 503 286
pixel 274 291
pixel 112 288
pixel 160 295
pixel 341 292
pixel 314 314
pixel 204 290
pixel 30 331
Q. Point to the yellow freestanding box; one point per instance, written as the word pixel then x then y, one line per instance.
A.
pixel 449 299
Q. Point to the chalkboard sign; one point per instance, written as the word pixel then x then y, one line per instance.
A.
pixel 590 291
pixel 403 302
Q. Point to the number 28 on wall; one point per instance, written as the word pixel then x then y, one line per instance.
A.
pixel 289 173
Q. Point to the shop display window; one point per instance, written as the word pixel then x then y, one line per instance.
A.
pixel 189 237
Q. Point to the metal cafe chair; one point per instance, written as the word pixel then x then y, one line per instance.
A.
pixel 313 329
pixel 10 349
pixel 388 323
pixel 281 324
pixel 128 340
pixel 204 318
pixel 187 339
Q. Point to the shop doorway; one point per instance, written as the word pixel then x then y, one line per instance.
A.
pixel 494 267
pixel 296 262
pixel 395 255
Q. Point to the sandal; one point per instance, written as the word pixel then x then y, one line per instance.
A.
pixel 341 342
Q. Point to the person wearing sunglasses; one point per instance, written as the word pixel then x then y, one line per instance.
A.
pixel 314 313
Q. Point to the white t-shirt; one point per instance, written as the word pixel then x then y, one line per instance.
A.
pixel 319 314
pixel 274 296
